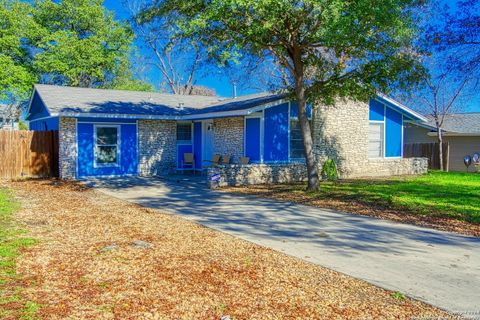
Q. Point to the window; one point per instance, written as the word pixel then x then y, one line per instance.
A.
pixel 106 145
pixel 296 141
pixel 375 140
pixel 184 132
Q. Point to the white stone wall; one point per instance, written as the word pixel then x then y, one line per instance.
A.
pixel 67 153
pixel 157 146
pixel 251 174
pixel 341 134
pixel 228 137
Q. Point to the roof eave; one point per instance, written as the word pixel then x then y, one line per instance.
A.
pixel 455 134
pixel 413 114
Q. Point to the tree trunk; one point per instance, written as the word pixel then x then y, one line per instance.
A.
pixel 312 172
pixel 440 147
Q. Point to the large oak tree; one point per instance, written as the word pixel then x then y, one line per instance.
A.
pixel 328 48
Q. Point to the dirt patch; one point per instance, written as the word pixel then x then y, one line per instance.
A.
pixel 353 206
pixel 103 258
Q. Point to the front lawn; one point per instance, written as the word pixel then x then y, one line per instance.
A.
pixel 447 194
pixel 447 200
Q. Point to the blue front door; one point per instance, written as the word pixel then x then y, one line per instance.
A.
pixel 252 139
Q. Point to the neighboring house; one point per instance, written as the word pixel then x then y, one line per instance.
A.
pixel 115 133
pixel 460 130
pixel 7 120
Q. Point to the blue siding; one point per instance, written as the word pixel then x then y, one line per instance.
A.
pixel 128 152
pixel 181 149
pixel 37 108
pixel 197 144
pixel 252 139
pixel 393 133
pixel 294 110
pixel 276 133
pixel 47 124
pixel 377 110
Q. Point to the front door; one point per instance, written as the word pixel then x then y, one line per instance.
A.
pixel 207 150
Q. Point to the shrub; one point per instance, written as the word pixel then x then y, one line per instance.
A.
pixel 329 170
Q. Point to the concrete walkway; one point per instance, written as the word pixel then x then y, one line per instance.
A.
pixel 437 267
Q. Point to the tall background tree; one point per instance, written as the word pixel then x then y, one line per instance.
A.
pixel 83 45
pixel 179 61
pixel 328 49
pixel 451 41
pixel 71 42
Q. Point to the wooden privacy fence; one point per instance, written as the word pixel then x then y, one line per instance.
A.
pixel 28 154
pixel 430 151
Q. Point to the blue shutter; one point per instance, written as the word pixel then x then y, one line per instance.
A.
pixel 393 133
pixel 276 133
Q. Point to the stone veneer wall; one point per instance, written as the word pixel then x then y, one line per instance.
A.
pixel 157 143
pixel 228 137
pixel 341 134
pixel 250 174
pixel 67 143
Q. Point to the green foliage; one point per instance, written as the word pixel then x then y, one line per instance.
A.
pixel 83 44
pixel 441 194
pixel 398 295
pixel 22 126
pixel 12 241
pixel 329 170
pixel 16 76
pixel 68 42
pixel 334 48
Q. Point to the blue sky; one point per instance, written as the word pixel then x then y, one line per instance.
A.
pixel 220 83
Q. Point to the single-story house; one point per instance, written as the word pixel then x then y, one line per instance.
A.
pixel 460 130
pixel 105 133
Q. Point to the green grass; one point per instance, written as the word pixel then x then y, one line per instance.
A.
pixel 12 241
pixel 443 194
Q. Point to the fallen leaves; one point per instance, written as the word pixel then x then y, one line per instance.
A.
pixel 178 270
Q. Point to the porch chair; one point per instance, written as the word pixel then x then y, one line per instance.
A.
pixel 226 159
pixel 215 160
pixel 188 161
pixel 244 160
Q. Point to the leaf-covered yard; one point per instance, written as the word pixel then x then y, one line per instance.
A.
pixel 443 200
pixel 86 266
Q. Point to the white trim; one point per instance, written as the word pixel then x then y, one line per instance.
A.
pixel 401 106
pixel 384 138
pixel 118 145
pixel 43 118
pixel 453 134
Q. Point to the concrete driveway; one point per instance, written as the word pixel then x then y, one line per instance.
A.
pixel 437 267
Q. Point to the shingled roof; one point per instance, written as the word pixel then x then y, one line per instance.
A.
pixel 73 100
pixel 461 123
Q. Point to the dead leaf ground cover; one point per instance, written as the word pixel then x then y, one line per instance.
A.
pixel 190 272
pixel 448 201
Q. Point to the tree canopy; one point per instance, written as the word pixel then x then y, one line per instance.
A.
pixel 71 42
pixel 16 74
pixel 327 49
